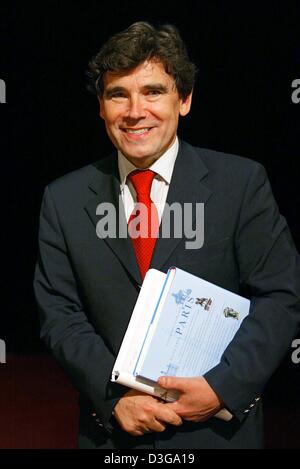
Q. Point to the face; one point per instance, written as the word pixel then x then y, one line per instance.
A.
pixel 141 109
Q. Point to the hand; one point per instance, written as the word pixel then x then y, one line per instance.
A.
pixel 138 413
pixel 197 401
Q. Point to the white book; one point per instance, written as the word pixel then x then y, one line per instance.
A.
pixel 180 326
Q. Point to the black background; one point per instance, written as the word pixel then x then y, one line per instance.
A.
pixel 247 55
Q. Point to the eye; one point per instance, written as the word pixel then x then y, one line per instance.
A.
pixel 118 94
pixel 154 92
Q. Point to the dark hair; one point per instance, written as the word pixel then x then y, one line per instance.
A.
pixel 141 41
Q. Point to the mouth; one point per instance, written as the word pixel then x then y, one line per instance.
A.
pixel 140 131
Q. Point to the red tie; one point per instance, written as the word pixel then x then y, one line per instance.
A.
pixel 143 223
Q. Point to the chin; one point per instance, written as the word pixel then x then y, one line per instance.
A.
pixel 141 161
pixel 138 155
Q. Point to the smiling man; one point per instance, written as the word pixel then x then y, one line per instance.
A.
pixel 86 287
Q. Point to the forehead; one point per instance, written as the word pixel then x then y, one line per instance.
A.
pixel 145 73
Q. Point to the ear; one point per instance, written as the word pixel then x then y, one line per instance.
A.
pixel 101 112
pixel 185 105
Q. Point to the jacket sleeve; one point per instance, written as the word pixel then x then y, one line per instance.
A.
pixel 64 325
pixel 270 272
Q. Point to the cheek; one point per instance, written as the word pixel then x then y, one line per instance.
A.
pixel 166 118
pixel 171 120
pixel 167 113
pixel 109 115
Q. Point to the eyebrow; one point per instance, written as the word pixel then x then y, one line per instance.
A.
pixel 156 87
pixel 114 89
pixel 151 86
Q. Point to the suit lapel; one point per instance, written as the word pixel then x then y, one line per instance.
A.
pixel 185 187
pixel 106 188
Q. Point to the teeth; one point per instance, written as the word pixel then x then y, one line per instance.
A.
pixel 137 131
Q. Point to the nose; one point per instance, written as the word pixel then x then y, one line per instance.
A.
pixel 135 108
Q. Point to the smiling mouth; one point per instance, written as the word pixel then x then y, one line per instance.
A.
pixel 137 131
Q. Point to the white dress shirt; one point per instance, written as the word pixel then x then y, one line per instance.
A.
pixel 163 167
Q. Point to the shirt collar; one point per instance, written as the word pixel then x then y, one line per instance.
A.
pixel 163 166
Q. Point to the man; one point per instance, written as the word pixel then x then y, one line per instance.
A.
pixel 86 286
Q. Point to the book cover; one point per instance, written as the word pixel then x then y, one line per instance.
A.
pixel 191 326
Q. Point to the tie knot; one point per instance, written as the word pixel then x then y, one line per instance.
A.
pixel 142 182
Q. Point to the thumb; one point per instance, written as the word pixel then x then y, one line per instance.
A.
pixel 170 382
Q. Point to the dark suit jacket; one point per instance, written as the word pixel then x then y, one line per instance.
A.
pixel 86 289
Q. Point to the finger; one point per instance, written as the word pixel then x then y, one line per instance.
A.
pixel 137 432
pixel 166 414
pixel 154 426
pixel 158 426
pixel 170 382
pixel 177 408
